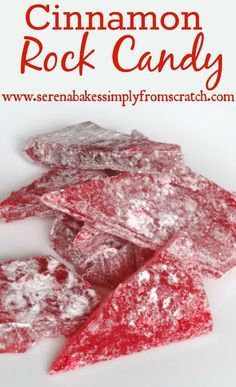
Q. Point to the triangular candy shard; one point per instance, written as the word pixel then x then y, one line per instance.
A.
pixel 164 302
pixel 145 209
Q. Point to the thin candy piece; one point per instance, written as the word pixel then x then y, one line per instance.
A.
pixel 40 298
pixel 26 201
pixel 88 146
pixel 110 262
pixel 164 302
pixel 149 210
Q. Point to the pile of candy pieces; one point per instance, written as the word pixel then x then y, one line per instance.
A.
pixel 131 219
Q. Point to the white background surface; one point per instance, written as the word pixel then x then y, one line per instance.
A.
pixel 207 133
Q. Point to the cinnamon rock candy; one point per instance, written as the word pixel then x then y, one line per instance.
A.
pixel 164 302
pixel 125 205
pixel 26 201
pixel 40 298
pixel 149 210
pixel 88 146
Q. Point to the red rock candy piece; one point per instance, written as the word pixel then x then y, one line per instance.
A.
pixel 164 302
pixel 108 264
pixel 149 210
pixel 89 146
pixel 144 209
pixel 26 201
pixel 40 298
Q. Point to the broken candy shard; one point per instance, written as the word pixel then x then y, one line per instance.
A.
pixel 106 264
pixel 89 146
pixel 40 298
pixel 149 210
pixel 144 209
pixel 164 302
pixel 26 201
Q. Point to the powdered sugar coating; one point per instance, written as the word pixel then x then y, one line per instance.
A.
pixel 88 146
pixel 26 201
pixel 40 298
pixel 164 302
